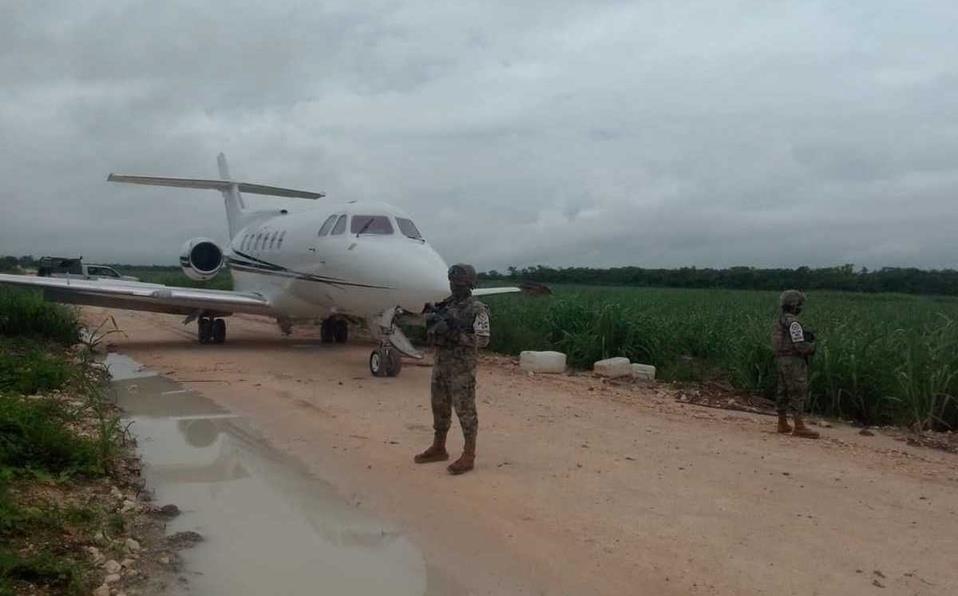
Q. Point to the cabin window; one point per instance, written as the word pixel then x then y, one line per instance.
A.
pixel 259 241
pixel 272 239
pixel 328 225
pixel 371 224
pixel 408 228
pixel 279 243
pixel 245 245
pixel 340 226
pixel 102 272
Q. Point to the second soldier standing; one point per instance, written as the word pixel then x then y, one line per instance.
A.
pixel 458 327
pixel 794 346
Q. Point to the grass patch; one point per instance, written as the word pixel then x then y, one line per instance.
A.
pixel 24 313
pixel 47 568
pixel 36 435
pixel 47 534
pixel 28 367
pixel 57 434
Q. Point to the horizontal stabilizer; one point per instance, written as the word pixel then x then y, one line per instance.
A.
pixel 221 185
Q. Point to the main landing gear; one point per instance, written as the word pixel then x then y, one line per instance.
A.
pixel 334 330
pixel 385 361
pixel 210 330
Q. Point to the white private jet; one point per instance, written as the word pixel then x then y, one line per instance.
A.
pixel 360 261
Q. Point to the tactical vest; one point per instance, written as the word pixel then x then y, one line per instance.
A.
pixel 463 313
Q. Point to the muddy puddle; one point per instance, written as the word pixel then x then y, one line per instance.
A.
pixel 270 527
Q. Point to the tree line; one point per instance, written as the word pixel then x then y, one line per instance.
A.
pixel 846 278
pixel 843 278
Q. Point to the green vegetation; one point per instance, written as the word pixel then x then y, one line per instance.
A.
pixel 174 276
pixel 56 433
pixel 26 368
pixel 882 358
pixel 25 314
pixel 844 278
pixel 10 265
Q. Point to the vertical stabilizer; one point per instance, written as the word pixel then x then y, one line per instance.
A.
pixel 232 197
pixel 236 214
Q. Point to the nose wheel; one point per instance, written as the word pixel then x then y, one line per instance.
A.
pixel 385 362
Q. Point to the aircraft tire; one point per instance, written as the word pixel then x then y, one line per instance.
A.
pixel 340 331
pixel 204 330
pixel 218 331
pixel 393 363
pixel 377 363
pixel 326 331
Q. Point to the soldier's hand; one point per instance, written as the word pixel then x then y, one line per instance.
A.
pixel 440 328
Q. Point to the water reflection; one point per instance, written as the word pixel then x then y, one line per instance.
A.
pixel 270 526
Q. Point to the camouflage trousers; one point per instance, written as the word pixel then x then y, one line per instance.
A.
pixel 454 386
pixel 792 391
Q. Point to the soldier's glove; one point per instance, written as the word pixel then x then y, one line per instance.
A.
pixel 454 332
pixel 435 328
pixel 440 328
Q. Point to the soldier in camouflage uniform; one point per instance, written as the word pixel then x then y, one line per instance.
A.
pixel 458 327
pixel 794 346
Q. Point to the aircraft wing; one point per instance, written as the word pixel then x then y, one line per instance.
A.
pixel 132 295
pixel 529 288
pixel 492 291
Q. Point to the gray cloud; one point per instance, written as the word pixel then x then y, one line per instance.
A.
pixel 657 134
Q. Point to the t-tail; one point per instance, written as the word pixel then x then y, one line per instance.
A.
pixel 237 215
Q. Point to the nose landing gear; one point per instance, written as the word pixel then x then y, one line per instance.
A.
pixel 386 360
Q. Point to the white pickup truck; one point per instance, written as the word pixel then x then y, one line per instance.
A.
pixel 75 267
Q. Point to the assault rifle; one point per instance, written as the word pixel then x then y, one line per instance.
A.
pixel 440 323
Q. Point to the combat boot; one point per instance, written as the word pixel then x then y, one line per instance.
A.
pixel 468 459
pixel 803 431
pixel 783 426
pixel 436 452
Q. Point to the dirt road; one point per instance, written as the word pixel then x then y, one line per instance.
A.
pixel 584 487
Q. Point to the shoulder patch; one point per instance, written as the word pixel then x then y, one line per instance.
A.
pixel 796 332
pixel 481 323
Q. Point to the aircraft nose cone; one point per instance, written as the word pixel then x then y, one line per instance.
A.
pixel 415 273
pixel 432 279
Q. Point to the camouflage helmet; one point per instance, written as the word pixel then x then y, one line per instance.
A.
pixel 462 274
pixel 791 298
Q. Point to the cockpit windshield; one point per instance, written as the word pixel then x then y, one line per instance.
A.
pixel 371 224
pixel 408 228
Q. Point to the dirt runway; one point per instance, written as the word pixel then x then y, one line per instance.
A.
pixel 584 487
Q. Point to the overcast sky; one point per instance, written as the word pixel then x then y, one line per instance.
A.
pixel 670 133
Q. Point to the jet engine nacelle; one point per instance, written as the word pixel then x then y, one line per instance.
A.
pixel 201 259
